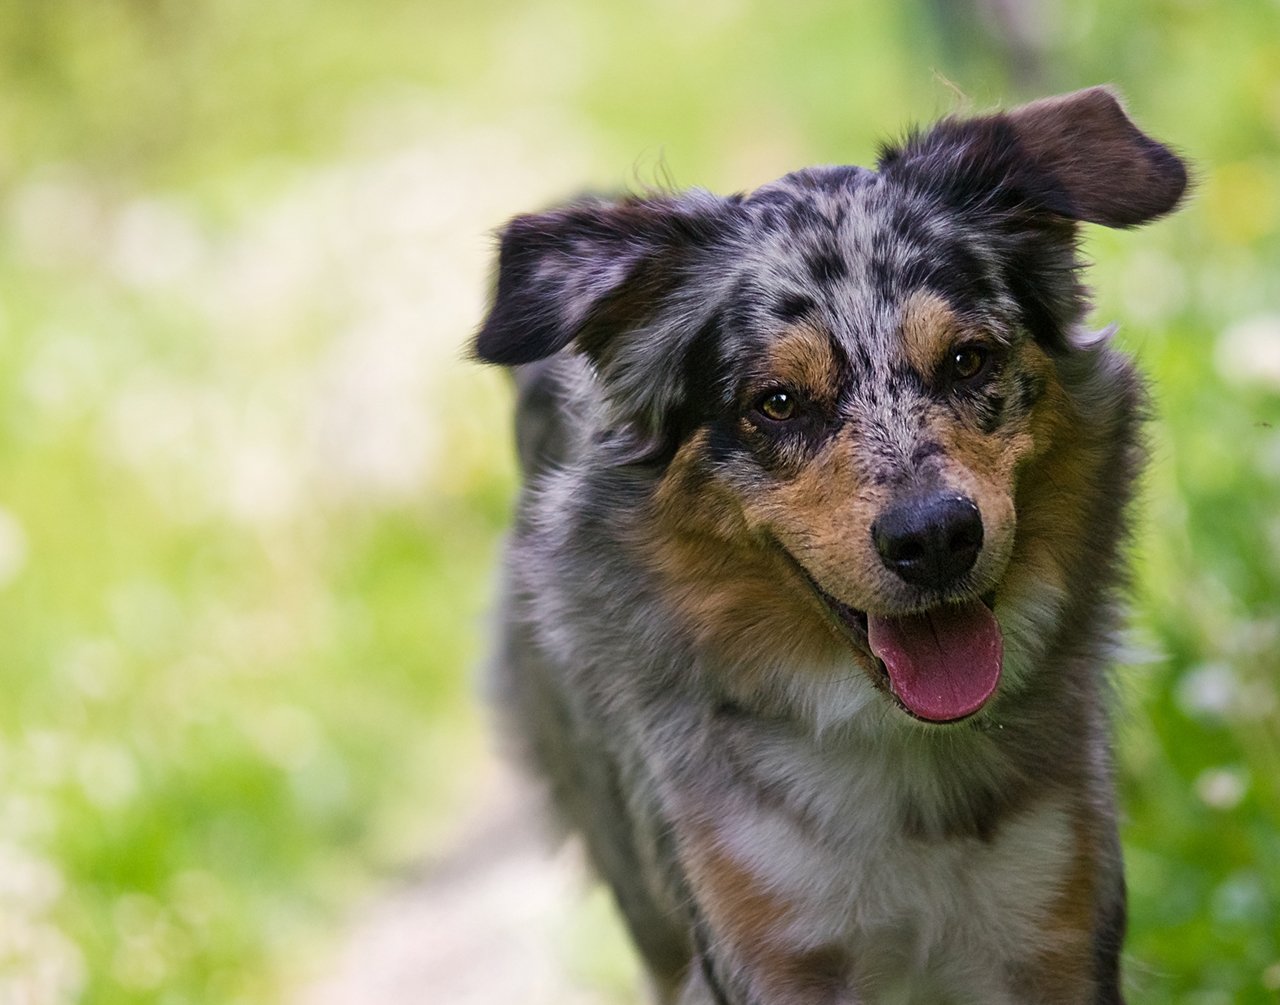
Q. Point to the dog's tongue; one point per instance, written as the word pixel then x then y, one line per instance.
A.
pixel 943 664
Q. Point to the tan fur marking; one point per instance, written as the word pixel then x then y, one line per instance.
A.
pixel 736 904
pixel 802 358
pixel 1063 972
pixel 823 516
pixel 1062 470
pixel 742 911
pixel 729 586
pixel 929 328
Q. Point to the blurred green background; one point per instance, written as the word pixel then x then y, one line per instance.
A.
pixel 250 493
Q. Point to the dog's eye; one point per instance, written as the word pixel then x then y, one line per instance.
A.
pixel 968 362
pixel 778 406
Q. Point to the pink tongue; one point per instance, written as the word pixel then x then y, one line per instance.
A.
pixel 943 664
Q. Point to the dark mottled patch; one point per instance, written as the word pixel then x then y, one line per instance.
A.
pixel 884 279
pixel 886 466
pixel 724 445
pixel 914 272
pixel 979 816
pixel 653 441
pixel 744 306
pixel 903 379
pixel 1108 940
pixel 906 225
pixel 926 450
pixel 783 450
pixel 828 178
pixel 1041 272
pixel 701 392
pixel 772 195
pixel 727 708
pixel 805 214
pixel 843 176
pixel 793 306
pixel 861 357
pixel 826 266
pixel 843 364
pixel 956 272
pixel 991 413
pixel 769 217
pixel 702 944
pixel 819 973
pixel 1030 389
pixel 702 362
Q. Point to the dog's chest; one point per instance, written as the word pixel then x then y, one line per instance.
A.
pixel 915 914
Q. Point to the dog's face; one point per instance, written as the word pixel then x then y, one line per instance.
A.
pixel 852 386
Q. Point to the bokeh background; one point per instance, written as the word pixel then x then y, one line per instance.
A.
pixel 251 493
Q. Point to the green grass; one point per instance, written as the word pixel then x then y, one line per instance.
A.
pixel 251 497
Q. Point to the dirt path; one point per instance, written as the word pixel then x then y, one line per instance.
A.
pixel 490 924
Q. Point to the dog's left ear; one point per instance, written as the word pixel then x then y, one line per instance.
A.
pixel 594 272
pixel 634 286
pixel 1077 156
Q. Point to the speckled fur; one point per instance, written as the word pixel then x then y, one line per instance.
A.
pixel 775 827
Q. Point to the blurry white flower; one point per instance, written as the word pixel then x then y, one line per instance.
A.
pixel 57 219
pixel 1249 351
pixel 1221 788
pixel 108 775
pixel 38 964
pixel 1209 690
pixel 155 243
pixel 27 883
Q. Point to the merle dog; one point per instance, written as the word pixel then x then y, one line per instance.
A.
pixel 812 590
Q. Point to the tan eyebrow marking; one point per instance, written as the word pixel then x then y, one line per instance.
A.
pixel 802 358
pixel 929 329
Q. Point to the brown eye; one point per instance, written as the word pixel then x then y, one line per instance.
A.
pixel 778 406
pixel 967 362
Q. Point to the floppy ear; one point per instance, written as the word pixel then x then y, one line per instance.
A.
pixel 635 285
pixel 1107 170
pixel 1077 156
pixel 591 272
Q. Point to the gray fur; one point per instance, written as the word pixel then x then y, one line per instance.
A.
pixel 637 325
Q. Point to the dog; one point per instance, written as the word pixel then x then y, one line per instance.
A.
pixel 814 580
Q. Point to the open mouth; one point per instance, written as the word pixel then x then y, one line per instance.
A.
pixel 940 665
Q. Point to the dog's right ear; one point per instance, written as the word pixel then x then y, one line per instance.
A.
pixel 587 272
pixel 1078 157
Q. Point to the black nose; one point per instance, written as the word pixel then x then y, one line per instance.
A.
pixel 929 540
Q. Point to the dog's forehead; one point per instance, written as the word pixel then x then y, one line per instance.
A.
pixel 853 247
pixel 811 211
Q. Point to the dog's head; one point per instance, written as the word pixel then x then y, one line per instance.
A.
pixel 871 415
